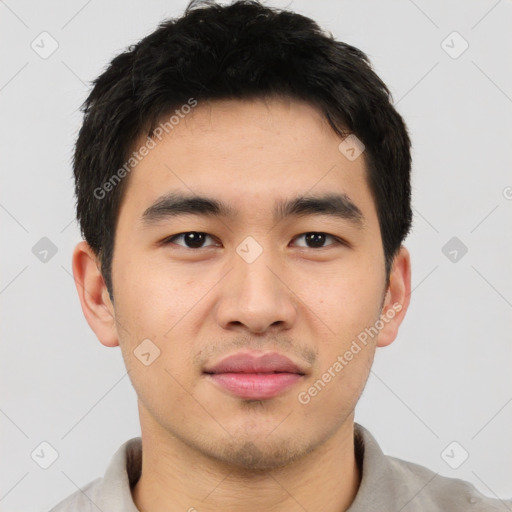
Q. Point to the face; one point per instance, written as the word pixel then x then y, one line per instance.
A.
pixel 253 277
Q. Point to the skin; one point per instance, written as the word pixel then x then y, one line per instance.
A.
pixel 203 447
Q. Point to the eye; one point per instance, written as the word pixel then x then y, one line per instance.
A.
pixel 196 240
pixel 192 239
pixel 317 239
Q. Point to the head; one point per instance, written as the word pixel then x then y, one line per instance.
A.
pixel 233 122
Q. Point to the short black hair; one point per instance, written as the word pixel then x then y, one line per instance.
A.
pixel 244 50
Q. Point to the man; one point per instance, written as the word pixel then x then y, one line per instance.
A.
pixel 243 188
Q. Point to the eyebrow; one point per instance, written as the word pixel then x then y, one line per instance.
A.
pixel 175 204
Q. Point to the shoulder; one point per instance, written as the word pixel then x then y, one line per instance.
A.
pixel 431 491
pixel 390 483
pixel 82 500
pixel 112 491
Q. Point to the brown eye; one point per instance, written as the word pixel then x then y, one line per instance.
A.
pixel 316 240
pixel 191 239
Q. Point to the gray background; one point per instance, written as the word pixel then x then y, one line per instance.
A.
pixel 446 378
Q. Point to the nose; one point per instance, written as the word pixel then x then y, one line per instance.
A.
pixel 256 296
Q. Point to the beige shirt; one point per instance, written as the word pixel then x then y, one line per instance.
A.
pixel 388 484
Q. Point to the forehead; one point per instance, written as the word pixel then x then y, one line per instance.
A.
pixel 248 154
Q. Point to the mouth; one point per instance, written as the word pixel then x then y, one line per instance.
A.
pixel 256 377
pixel 255 386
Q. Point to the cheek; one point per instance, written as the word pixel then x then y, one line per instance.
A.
pixel 332 394
pixel 349 305
pixel 347 299
pixel 153 305
pixel 154 296
pixel 152 315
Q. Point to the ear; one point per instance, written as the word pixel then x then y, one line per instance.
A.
pixel 397 298
pixel 94 298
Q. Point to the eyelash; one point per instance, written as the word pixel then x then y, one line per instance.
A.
pixel 338 241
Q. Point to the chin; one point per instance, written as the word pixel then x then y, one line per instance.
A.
pixel 254 456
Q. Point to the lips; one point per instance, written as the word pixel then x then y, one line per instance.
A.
pixel 255 377
pixel 249 363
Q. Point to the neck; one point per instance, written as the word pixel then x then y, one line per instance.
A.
pixel 176 477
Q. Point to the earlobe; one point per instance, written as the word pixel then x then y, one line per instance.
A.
pixel 93 294
pixel 397 298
